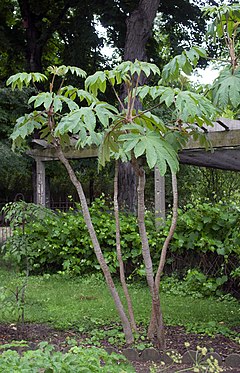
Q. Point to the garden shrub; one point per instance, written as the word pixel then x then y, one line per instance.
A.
pixel 207 238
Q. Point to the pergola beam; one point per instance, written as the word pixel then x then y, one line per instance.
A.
pixel 224 137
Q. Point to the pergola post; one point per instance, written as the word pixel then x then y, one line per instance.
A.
pixel 160 211
pixel 41 182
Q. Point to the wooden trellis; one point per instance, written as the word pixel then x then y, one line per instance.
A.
pixel 224 154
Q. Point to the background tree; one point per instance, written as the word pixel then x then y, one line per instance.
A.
pixel 65 31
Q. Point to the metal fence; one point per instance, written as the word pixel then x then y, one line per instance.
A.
pixel 62 205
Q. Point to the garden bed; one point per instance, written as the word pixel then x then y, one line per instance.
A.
pixel 175 336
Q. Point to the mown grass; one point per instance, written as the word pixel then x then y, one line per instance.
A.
pixel 82 302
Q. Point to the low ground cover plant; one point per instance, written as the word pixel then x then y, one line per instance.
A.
pixel 77 359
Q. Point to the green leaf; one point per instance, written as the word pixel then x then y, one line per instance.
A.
pixel 135 126
pixel 88 118
pixel 21 80
pixel 96 82
pixel 26 124
pixel 57 103
pixel 167 96
pixel 185 62
pixel 70 122
pixel 70 103
pixel 226 89
pixel 140 148
pixel 48 97
pixel 105 113
pixel 63 70
pixel 191 107
pixel 130 144
pixel 161 163
pixel 151 155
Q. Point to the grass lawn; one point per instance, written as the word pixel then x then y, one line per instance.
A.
pixel 84 302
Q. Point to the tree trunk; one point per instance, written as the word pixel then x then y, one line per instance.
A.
pixel 139 26
pixel 38 32
pixel 125 322
pixel 33 47
pixel 127 188
pixel 152 325
pixel 119 251
pixel 158 319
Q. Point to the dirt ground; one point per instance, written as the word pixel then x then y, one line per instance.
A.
pixel 175 337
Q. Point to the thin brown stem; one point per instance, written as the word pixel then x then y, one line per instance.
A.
pixel 119 251
pixel 152 326
pixel 171 231
pixel 135 93
pixel 117 97
pixel 60 87
pixel 156 307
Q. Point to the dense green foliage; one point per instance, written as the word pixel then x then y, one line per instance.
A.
pixel 15 169
pixel 15 174
pixel 77 359
pixel 34 35
pixel 207 238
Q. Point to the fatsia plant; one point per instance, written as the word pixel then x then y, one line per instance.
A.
pixel 136 134
pixel 120 132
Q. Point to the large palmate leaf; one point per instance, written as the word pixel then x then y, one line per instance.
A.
pixel 26 125
pixel 96 82
pixel 225 20
pixel 63 70
pixel 43 98
pixel 21 80
pixel 105 113
pixel 192 107
pixel 49 99
pixel 165 95
pixel 226 89
pixel 126 71
pixel 73 92
pixel 189 106
pixel 157 150
pixel 184 62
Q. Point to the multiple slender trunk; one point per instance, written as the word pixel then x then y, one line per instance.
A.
pixel 139 26
pixel 119 251
pixel 156 327
pixel 156 307
pixel 152 329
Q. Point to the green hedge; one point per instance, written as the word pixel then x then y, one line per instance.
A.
pixel 207 237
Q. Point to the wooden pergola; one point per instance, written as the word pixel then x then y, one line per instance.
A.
pixel 224 154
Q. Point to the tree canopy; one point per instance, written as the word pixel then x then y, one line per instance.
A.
pixel 35 34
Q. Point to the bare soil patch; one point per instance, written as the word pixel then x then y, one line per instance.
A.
pixel 176 337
